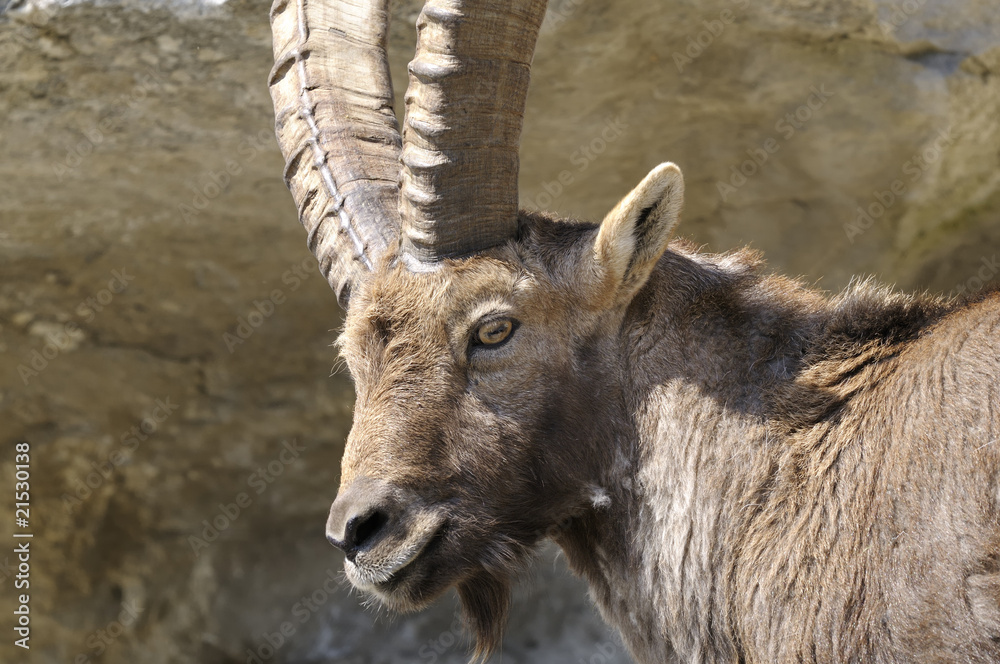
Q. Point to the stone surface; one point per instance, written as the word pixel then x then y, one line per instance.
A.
pixel 144 227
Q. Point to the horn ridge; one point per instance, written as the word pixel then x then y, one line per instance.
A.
pixel 334 122
pixel 468 85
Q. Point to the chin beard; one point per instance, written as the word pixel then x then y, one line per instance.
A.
pixel 485 607
pixel 486 594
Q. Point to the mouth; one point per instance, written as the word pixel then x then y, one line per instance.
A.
pixel 409 570
pixel 385 575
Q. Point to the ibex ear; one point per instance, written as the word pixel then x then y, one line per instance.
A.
pixel 635 233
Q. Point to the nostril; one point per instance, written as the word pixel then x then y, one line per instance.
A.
pixel 363 513
pixel 363 529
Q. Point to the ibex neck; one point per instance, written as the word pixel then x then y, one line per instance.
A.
pixel 704 365
pixel 736 383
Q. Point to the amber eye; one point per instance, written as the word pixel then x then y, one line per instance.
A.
pixel 494 332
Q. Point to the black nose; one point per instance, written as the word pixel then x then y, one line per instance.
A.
pixel 360 516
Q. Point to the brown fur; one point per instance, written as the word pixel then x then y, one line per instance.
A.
pixel 743 469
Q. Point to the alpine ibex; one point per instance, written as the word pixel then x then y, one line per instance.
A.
pixel 743 469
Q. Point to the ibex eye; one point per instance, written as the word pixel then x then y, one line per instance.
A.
pixel 494 332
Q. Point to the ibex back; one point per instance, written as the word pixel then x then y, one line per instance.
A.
pixel 743 469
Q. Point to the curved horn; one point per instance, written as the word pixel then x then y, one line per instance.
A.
pixel 334 121
pixel 464 109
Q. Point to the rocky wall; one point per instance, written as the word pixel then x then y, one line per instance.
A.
pixel 165 337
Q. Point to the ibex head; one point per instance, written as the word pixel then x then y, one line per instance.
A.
pixel 477 336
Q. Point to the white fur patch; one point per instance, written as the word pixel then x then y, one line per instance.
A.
pixel 599 497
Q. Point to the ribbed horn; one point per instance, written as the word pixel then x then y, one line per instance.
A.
pixel 464 110
pixel 335 125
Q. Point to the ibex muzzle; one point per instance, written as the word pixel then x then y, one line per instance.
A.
pixel 743 469
pixel 382 529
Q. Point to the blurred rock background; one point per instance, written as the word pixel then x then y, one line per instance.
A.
pixel 164 332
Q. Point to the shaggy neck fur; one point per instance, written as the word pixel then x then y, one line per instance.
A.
pixel 720 535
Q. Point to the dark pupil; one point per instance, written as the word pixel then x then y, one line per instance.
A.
pixel 495 333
